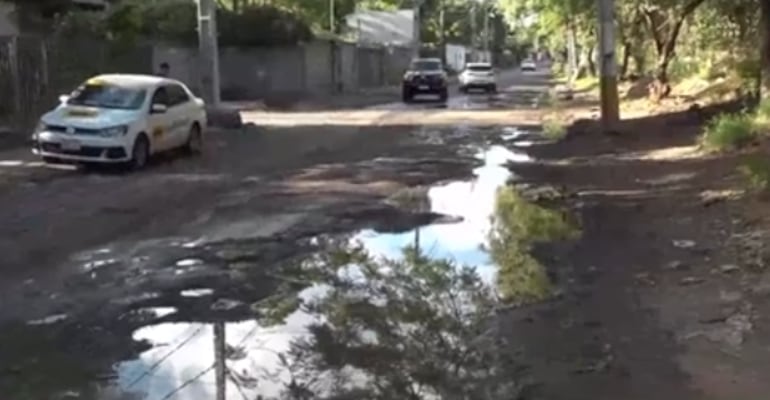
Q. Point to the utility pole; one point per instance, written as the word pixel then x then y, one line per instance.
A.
pixel 220 368
pixel 442 27
pixel 473 31
pixel 416 28
pixel 609 76
pixel 332 20
pixel 208 50
pixel 486 32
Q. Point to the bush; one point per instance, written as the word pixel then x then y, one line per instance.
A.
pixel 756 169
pixel 729 131
pixel 553 129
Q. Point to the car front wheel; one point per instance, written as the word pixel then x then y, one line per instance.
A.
pixel 406 95
pixel 444 95
pixel 194 143
pixel 140 154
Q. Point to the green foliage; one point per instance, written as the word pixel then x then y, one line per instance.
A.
pixel 756 170
pixel 553 129
pixel 729 131
pixel 762 116
pixel 517 226
pixel 176 21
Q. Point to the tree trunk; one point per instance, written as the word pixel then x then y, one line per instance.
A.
pixel 765 48
pixel 640 62
pixel 625 60
pixel 665 43
pixel 661 86
pixel 584 62
pixel 592 62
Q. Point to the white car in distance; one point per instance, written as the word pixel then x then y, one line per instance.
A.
pixel 121 119
pixel 528 65
pixel 478 75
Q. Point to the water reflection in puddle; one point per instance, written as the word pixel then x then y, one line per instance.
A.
pixel 473 201
pixel 181 361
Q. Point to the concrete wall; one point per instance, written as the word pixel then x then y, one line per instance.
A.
pixel 7 26
pixel 316 68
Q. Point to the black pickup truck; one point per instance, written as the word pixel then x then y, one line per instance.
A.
pixel 425 76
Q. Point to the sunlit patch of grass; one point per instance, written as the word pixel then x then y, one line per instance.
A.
pixel 762 116
pixel 756 169
pixel 554 129
pixel 729 131
pixel 586 84
pixel 517 226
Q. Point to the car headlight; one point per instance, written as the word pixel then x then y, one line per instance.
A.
pixel 40 127
pixel 113 131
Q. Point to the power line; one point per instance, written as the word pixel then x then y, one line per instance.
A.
pixel 213 365
pixel 155 365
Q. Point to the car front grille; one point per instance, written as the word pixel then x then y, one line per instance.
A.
pixel 85 151
pixel 427 79
pixel 78 131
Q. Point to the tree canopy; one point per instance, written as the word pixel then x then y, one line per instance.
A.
pixel 655 37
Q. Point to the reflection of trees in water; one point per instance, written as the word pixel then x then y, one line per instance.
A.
pixel 413 328
pixel 516 226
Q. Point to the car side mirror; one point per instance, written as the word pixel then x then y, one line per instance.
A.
pixel 64 98
pixel 158 109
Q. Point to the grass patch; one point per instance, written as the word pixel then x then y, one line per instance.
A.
pixel 554 129
pixel 756 170
pixel 517 225
pixel 586 84
pixel 729 131
pixel 762 116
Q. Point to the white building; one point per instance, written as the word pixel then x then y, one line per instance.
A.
pixel 394 28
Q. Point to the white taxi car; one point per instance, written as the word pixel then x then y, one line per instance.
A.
pixel 478 75
pixel 121 119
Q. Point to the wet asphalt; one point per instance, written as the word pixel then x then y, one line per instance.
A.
pixel 147 286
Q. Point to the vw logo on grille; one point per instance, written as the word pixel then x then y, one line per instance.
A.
pixel 70 130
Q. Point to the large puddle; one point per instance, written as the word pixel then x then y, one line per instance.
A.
pixel 383 314
pixel 374 315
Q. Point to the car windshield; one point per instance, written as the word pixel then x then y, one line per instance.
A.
pixel 480 68
pixel 107 96
pixel 426 65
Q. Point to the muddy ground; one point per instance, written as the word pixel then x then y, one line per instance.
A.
pixel 86 252
pixel 666 292
pixel 111 280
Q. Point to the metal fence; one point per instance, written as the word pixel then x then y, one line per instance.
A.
pixel 34 70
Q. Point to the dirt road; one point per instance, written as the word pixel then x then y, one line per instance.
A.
pixel 83 252
pixel 319 254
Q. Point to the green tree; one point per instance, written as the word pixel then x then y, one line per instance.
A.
pixel 664 20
